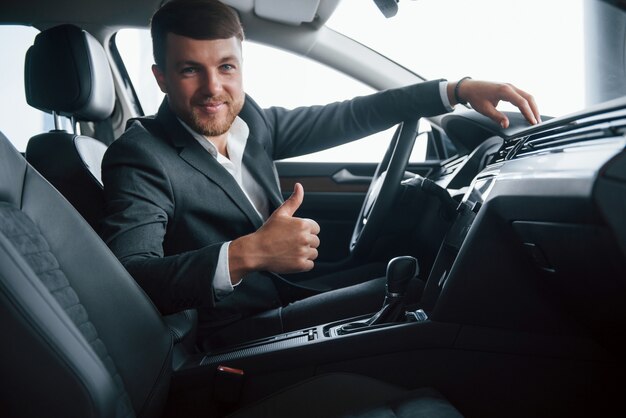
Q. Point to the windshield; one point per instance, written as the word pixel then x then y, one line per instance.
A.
pixel 535 44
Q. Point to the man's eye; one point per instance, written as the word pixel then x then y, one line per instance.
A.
pixel 189 70
pixel 227 67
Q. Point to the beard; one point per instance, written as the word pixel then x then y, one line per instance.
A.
pixel 216 124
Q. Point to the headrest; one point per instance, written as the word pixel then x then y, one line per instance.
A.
pixel 67 72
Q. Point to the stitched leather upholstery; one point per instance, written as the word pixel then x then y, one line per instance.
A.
pixel 48 360
pixel 24 235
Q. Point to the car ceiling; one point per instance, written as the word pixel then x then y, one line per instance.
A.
pixel 283 25
pixel 45 13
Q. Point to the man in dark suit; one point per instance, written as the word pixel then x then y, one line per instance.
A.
pixel 194 209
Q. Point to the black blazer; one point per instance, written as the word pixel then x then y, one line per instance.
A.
pixel 170 205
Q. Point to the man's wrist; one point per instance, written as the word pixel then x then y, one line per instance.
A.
pixel 240 261
pixel 454 92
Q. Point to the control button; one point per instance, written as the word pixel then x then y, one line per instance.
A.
pixel 416 316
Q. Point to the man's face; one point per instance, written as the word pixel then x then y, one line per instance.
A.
pixel 203 82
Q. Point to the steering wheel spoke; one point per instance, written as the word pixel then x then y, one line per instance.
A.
pixel 383 190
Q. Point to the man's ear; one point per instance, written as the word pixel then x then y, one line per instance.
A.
pixel 159 77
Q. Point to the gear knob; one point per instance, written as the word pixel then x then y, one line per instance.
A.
pixel 400 271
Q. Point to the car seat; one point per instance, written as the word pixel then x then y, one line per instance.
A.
pixel 67 74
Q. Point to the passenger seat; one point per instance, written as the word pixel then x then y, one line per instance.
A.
pixel 67 74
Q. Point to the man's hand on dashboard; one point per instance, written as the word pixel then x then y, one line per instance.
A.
pixel 484 96
pixel 284 244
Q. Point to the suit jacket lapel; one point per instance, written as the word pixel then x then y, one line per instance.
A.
pixel 259 164
pixel 256 158
pixel 197 157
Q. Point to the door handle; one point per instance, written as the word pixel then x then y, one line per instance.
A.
pixel 344 176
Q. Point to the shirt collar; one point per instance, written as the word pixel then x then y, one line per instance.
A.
pixel 235 142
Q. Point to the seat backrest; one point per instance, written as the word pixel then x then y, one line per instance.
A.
pixel 80 338
pixel 67 73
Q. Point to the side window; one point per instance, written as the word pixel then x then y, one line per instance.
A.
pixel 272 77
pixel 18 121
pixel 278 78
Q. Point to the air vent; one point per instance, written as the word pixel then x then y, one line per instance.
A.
pixel 562 136
pixel 450 166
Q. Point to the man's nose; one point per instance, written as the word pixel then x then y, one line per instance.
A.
pixel 212 84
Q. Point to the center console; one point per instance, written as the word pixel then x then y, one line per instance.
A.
pixel 294 356
pixel 366 335
pixel 480 335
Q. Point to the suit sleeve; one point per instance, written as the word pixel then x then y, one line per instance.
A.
pixel 139 202
pixel 315 128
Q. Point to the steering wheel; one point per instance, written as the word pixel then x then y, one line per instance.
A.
pixel 383 191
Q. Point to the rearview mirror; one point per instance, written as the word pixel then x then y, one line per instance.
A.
pixel 388 7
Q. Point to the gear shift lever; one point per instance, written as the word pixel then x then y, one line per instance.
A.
pixel 400 271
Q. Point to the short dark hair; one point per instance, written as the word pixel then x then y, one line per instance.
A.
pixel 197 19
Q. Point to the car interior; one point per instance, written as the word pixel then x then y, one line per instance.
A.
pixel 518 233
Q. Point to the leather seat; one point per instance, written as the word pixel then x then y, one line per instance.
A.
pixel 67 74
pixel 82 339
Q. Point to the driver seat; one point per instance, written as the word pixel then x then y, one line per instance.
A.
pixel 86 341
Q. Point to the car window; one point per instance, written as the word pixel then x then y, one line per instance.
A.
pixel 272 77
pixel 534 44
pixel 18 121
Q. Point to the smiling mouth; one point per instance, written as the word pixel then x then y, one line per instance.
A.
pixel 211 107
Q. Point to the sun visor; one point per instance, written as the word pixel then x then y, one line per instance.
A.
pixel 287 11
pixel 244 6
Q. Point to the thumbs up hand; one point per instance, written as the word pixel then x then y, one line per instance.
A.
pixel 284 244
pixel 291 205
